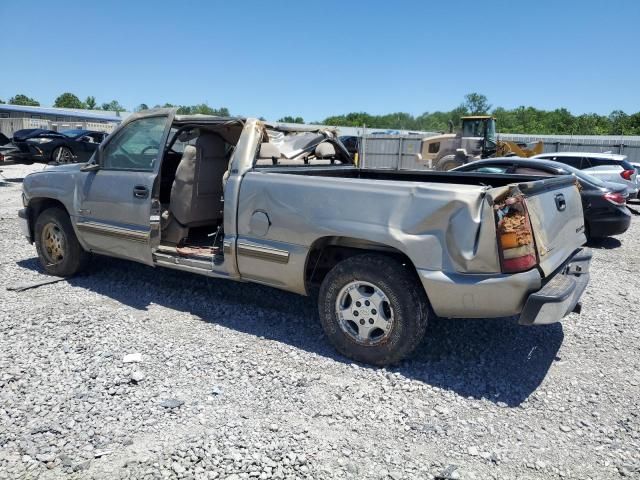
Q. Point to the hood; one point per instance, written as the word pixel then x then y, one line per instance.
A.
pixel 67 167
pixel 28 133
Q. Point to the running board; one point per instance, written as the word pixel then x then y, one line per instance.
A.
pixel 201 267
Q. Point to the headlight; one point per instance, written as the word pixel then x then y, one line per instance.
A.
pixel 25 202
pixel 40 140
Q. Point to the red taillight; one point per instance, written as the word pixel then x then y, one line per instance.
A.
pixel 515 236
pixel 615 198
pixel 626 174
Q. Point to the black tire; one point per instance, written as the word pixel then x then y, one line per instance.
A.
pixel 447 163
pixel 410 310
pixel 66 257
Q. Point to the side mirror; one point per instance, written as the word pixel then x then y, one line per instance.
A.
pixel 90 167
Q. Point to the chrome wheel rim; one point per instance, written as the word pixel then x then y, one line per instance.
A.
pixel 53 243
pixel 63 155
pixel 364 313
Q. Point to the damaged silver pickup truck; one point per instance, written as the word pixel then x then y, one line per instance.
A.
pixel 245 200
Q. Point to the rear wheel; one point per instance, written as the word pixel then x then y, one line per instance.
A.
pixel 372 309
pixel 57 245
pixel 62 155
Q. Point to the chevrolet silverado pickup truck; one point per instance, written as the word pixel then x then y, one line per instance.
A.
pixel 250 201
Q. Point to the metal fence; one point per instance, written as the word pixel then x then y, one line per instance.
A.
pixel 629 146
pixel 10 125
pixel 397 152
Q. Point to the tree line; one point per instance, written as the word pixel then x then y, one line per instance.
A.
pixel 527 120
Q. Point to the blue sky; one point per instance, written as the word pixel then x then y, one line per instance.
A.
pixel 314 59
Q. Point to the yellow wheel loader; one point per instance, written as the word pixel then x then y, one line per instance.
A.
pixel 477 139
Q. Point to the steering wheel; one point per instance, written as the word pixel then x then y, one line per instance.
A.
pixel 150 147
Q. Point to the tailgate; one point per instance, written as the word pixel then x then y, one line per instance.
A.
pixel 557 220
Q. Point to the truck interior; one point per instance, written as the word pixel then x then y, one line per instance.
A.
pixel 195 167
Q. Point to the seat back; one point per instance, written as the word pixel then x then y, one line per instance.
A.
pixel 196 193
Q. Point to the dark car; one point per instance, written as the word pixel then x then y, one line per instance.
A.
pixel 351 143
pixel 603 203
pixel 68 146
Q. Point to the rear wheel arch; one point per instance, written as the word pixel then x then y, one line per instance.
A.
pixel 326 252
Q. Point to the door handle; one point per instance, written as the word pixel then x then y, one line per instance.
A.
pixel 561 203
pixel 140 191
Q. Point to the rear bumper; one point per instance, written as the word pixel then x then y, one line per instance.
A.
pixel 454 295
pixel 613 223
pixel 560 294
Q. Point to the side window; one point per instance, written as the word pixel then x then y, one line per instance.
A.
pixel 600 162
pixel 434 147
pixel 492 169
pixel 571 161
pixel 136 146
pixel 532 171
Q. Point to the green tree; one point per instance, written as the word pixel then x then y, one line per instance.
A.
pixel 290 119
pixel 476 104
pixel 202 109
pixel 620 123
pixel 90 102
pixel 21 99
pixel 113 105
pixel 68 100
pixel 2 101
pixel 141 107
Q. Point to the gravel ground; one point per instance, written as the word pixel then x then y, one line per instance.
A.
pixel 133 372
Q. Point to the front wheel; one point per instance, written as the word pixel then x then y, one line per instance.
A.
pixel 448 162
pixel 58 248
pixel 373 309
pixel 62 155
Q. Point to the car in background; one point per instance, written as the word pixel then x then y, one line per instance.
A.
pixel 609 167
pixel 67 146
pixel 351 143
pixel 603 203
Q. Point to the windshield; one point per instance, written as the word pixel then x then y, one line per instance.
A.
pixel 73 133
pixel 491 132
pixel 473 128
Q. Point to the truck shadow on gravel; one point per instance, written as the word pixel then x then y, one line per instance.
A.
pixel 495 359
pixel 606 243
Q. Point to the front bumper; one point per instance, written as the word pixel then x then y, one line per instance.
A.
pixel 560 294
pixel 27 152
pixel 23 219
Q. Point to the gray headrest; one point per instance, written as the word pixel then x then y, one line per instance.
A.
pixel 188 135
pixel 269 151
pixel 189 153
pixel 325 150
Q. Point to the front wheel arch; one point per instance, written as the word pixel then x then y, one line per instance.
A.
pixel 59 250
pixel 38 205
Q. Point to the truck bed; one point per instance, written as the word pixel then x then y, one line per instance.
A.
pixel 459 178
